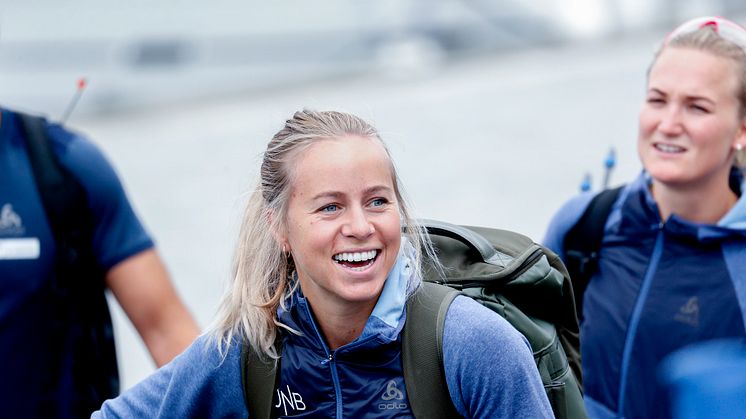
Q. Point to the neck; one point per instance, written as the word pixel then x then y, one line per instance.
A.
pixel 341 325
pixel 705 204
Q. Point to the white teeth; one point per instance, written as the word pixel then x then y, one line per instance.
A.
pixel 355 257
pixel 668 148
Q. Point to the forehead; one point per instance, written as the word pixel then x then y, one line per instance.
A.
pixel 343 164
pixel 695 72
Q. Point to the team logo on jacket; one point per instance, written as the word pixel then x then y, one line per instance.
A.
pixel 392 398
pixel 291 400
pixel 689 313
pixel 10 221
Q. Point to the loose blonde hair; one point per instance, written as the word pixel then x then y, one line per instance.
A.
pixel 262 277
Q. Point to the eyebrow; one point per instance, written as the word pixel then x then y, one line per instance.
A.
pixel 368 191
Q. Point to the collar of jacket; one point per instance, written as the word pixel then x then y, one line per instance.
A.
pixel 385 322
pixel 638 210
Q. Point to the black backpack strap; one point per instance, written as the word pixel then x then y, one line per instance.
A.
pixel 583 243
pixel 422 352
pixel 77 290
pixel 259 378
pixel 53 184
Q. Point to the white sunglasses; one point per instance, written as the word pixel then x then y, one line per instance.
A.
pixel 728 30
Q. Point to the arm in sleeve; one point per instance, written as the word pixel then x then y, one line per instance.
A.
pixel 118 233
pixel 489 367
pixel 199 383
pixel 563 220
pixel 134 272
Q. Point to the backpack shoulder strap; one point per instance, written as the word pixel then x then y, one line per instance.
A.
pixel 52 181
pixel 422 352
pixel 259 377
pixel 77 287
pixel 583 242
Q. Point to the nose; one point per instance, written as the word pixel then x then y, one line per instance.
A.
pixel 357 224
pixel 670 123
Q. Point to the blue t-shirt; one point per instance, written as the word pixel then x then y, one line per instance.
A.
pixel 28 380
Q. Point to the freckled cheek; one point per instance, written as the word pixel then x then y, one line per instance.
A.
pixel 392 230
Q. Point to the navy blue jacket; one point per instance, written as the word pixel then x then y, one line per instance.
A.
pixel 659 287
pixel 489 368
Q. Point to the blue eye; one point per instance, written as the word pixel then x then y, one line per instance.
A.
pixel 329 208
pixel 379 202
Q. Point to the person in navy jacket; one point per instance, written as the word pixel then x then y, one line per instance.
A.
pixel 672 266
pixel 41 339
pixel 322 260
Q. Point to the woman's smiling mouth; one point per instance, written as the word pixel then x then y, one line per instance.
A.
pixel 356 261
pixel 669 148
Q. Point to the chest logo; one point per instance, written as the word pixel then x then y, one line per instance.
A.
pixel 10 221
pixel 392 398
pixel 392 392
pixel 689 313
pixel 292 400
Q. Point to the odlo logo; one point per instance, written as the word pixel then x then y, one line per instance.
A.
pixel 393 398
pixel 292 400
pixel 10 221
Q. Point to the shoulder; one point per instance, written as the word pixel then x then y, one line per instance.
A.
pixel 469 323
pixel 80 156
pixel 87 163
pixel 563 220
pixel 118 232
pixel 201 382
pixel 483 352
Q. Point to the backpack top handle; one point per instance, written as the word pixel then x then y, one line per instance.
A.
pixel 471 239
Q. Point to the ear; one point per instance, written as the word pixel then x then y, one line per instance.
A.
pixel 278 232
pixel 741 136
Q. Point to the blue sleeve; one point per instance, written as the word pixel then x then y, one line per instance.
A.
pixel 563 220
pixel 199 383
pixel 118 233
pixel 489 367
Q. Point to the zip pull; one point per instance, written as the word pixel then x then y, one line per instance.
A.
pixel 328 360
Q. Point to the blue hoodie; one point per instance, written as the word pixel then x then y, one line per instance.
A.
pixel 659 287
pixel 489 369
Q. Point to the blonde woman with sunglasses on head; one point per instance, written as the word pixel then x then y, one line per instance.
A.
pixel 672 264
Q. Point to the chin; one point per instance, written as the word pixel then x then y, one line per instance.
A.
pixel 669 179
pixel 364 292
pixel 666 173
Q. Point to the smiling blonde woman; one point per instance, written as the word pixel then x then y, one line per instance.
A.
pixel 321 277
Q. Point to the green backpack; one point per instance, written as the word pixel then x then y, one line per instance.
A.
pixel 507 272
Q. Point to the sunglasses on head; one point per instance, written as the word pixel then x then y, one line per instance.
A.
pixel 726 29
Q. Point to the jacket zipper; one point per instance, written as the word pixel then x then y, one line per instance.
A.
pixel 332 366
pixel 337 389
pixel 635 319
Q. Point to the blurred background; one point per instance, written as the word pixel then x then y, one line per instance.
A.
pixel 494 110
